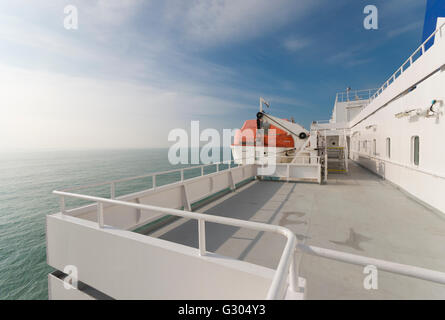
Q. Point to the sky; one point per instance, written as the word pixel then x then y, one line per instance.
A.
pixel 134 69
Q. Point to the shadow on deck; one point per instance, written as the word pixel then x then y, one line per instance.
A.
pixel 358 212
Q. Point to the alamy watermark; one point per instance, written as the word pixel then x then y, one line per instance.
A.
pixel 71 280
pixel 253 146
pixel 71 21
pixel 371 281
pixel 371 21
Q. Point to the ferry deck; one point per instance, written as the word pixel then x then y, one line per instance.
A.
pixel 254 239
pixel 359 213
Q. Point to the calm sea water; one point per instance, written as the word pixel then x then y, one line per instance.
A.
pixel 26 182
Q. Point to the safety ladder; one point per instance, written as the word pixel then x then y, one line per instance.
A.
pixel 337 156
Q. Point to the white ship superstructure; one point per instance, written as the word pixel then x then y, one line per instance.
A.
pixel 396 132
pixel 233 231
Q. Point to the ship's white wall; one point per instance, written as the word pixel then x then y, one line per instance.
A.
pixel 426 181
pixel 348 110
pixel 352 112
pixel 127 265
pixel 377 122
pixel 431 60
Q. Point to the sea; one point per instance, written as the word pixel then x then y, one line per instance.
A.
pixel 27 179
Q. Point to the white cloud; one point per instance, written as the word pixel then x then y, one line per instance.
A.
pixel 211 22
pixel 41 110
pixel 111 12
pixel 152 84
pixel 294 44
pixel 404 29
pixel 350 58
pixel 36 38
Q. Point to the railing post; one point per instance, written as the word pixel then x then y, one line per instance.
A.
pixel 154 181
pixel 326 166
pixel 112 190
pixel 62 204
pixel 217 167
pixel 202 170
pixel 202 237
pixel 293 273
pixel 182 174
pixel 100 214
pixel 187 204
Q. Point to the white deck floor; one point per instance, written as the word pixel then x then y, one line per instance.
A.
pixel 358 213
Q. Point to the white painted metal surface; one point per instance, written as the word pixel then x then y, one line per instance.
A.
pixel 85 234
pixel 285 265
pixel 309 171
pixel 127 265
pixel 103 227
pixel 419 52
pixel 179 194
pixel 382 265
pixel 419 81
pixel 95 246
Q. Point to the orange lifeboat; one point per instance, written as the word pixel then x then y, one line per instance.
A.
pixel 246 136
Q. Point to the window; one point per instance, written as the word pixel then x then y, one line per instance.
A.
pixel 358 144
pixel 365 145
pixel 415 150
pixel 388 148
pixel 374 147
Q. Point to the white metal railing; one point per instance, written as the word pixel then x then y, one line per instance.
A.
pixel 322 121
pixel 356 95
pixel 399 164
pixel 112 183
pixel 421 49
pixel 181 171
pixel 310 162
pixel 304 160
pixel 286 266
pixel 393 267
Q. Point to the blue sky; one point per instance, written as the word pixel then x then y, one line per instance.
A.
pixel 136 69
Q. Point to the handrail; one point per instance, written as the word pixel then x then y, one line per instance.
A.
pixel 309 158
pixel 154 174
pixel 403 165
pixel 356 95
pixel 322 121
pixel 286 265
pixel 402 69
pixel 112 183
pixel 389 266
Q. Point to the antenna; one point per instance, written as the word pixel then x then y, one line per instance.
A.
pixel 262 101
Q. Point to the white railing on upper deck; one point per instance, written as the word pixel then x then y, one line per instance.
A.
pixel 286 266
pixel 112 183
pixel 356 95
pixel 381 265
pixel 413 58
pixel 322 121
pixel 296 160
